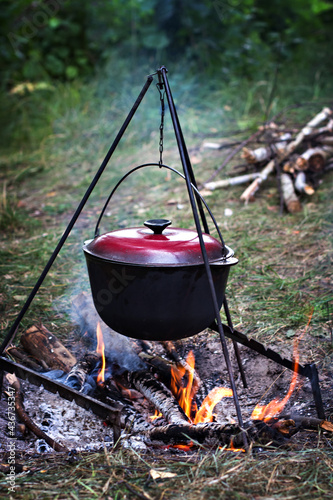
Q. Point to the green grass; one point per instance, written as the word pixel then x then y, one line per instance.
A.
pixel 204 474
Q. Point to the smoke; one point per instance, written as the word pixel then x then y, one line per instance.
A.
pixel 119 349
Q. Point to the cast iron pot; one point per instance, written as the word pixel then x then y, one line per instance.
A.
pixel 150 283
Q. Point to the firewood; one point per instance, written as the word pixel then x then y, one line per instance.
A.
pixel 160 366
pixel 21 356
pixel 288 193
pixel 307 130
pixel 326 140
pixel 45 347
pixel 252 188
pixel 298 422
pixel 265 153
pixel 23 416
pixel 314 159
pixel 232 181
pixel 77 375
pixel 301 184
pixel 173 353
pixel 256 155
pixel 159 396
pixel 216 434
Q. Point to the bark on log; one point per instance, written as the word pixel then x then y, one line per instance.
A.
pixel 288 193
pixel 23 416
pixel 301 184
pixel 24 358
pixel 77 375
pixel 307 130
pixel 45 347
pixel 160 366
pixel 314 159
pixel 256 155
pixel 252 188
pixel 159 396
pixel 213 434
pixel 232 181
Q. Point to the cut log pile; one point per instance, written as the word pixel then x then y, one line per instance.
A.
pixel 299 158
pixel 140 391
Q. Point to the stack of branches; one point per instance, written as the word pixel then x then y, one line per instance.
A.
pixel 299 158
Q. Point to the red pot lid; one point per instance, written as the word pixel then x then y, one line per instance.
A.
pixel 156 244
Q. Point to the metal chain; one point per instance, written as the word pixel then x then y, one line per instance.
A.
pixel 162 92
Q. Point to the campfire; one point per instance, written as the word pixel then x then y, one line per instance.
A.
pixel 162 400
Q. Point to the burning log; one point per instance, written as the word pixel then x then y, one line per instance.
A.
pixel 214 434
pixel 46 348
pixel 13 381
pixel 288 193
pixel 172 351
pixel 299 422
pixel 77 375
pixel 160 366
pixel 159 396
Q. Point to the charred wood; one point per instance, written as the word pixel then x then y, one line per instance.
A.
pixel 214 434
pixel 77 375
pixel 159 396
pixel 22 357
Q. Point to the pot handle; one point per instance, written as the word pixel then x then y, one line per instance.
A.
pixel 157 225
pixel 224 251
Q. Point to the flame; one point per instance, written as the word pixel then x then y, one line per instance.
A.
pixel 184 395
pixel 205 413
pixel 232 448
pixel 274 407
pixel 100 350
pixel 184 386
pixel 157 415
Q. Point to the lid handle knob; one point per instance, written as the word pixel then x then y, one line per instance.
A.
pixel 157 225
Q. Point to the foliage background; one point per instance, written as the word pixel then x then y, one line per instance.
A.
pixel 64 39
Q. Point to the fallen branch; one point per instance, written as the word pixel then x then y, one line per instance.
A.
pixel 234 152
pixel 232 181
pixel 252 188
pixel 15 384
pixel 307 130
